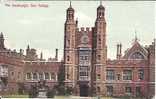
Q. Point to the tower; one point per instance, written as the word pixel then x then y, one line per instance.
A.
pixel 69 46
pixel 99 34
pixel 99 49
pixel 2 41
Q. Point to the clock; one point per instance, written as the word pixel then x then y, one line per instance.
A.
pixel 84 39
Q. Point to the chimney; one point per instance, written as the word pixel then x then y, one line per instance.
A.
pixel 41 56
pixel 117 54
pixel 56 55
pixel 119 51
pixel 27 50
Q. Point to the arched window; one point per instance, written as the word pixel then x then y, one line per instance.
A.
pixel 34 76
pixel 28 76
pixel 53 76
pixel 41 76
pixel 47 76
pixel 137 55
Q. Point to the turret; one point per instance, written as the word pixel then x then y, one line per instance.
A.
pixel 100 12
pixel 70 13
pixel 69 43
pixel 99 46
pixel 99 34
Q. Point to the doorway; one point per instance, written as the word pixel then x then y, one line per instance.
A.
pixel 84 90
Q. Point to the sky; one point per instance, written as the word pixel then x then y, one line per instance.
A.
pixel 43 27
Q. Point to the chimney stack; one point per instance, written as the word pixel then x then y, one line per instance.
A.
pixel 41 56
pixel 56 55
pixel 119 51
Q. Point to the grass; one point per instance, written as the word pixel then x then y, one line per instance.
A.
pixel 16 96
pixel 77 97
pixel 63 97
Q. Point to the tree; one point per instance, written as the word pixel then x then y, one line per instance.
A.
pixel 51 93
pixel 61 77
pixel 68 90
pixel 33 91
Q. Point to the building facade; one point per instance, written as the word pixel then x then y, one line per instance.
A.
pixel 87 69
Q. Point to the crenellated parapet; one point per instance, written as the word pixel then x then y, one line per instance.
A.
pixel 9 58
pixel 84 29
pixel 12 54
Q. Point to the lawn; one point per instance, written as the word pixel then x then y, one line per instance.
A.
pixel 15 96
pixel 65 97
pixel 77 97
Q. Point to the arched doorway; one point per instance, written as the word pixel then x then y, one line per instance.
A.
pixel 84 90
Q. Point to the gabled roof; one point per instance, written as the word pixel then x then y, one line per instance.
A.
pixel 136 48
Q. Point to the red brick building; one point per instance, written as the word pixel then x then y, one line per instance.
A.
pixel 87 68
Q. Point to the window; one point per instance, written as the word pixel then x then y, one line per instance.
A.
pixel 47 76
pixel 41 76
pixel 83 73
pixel 98 76
pixel 68 58
pixel 99 37
pixel 34 76
pixel 68 43
pixel 137 55
pixel 19 73
pixel 98 89
pixel 118 76
pixel 110 75
pixel 86 57
pixel 99 57
pixel 128 90
pixel 28 76
pixel 138 91
pixel 83 70
pixel 12 73
pixel 68 76
pixel 127 75
pixel 141 74
pixel 53 76
pixel 83 57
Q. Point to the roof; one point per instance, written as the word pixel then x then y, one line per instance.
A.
pixel 136 47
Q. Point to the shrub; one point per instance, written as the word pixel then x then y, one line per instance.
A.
pixel 33 92
pixel 50 93
pixel 68 90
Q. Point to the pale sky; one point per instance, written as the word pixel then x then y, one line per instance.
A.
pixel 43 28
